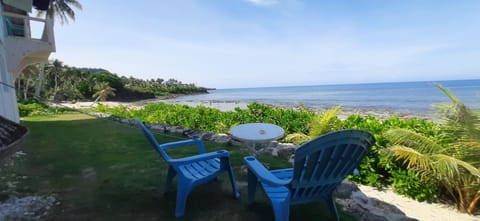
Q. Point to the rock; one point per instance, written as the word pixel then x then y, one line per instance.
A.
pixel 89 173
pixel 207 136
pixel 286 150
pixel 237 143
pixel 292 159
pixel 270 150
pixel 175 129
pixel 367 209
pixel 221 138
pixel 158 127
pixel 26 208
pixel 125 120
pixel 191 133
pixel 273 144
pixel 345 189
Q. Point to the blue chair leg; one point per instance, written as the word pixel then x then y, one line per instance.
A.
pixel 252 186
pixel 281 209
pixel 236 194
pixel 171 174
pixel 333 208
pixel 183 190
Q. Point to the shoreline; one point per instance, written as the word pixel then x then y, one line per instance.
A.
pixel 380 113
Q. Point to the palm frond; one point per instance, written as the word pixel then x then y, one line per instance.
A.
pixel 408 138
pixel 453 168
pixel 412 159
pixel 449 94
pixel 460 119
pixel 468 150
pixel 62 9
pixel 322 123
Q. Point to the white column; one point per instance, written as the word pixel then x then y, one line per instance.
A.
pixel 8 99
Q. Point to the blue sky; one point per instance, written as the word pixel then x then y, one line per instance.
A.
pixel 259 43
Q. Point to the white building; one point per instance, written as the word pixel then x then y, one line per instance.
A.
pixel 24 40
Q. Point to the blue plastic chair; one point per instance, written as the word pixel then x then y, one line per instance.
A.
pixel 320 165
pixel 191 171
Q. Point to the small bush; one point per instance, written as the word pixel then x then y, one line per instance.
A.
pixel 408 183
pixel 33 107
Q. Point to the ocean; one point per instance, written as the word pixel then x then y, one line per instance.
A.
pixel 403 97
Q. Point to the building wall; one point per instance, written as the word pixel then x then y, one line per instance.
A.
pixel 8 99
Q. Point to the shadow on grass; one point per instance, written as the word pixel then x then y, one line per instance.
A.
pixel 104 170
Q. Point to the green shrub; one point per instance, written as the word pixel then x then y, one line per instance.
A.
pixel 33 107
pixel 409 183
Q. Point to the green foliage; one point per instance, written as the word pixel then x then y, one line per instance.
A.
pixel 449 157
pixel 61 82
pixel 408 183
pixel 210 119
pixel 296 138
pixel 103 91
pixel 324 123
pixel 32 107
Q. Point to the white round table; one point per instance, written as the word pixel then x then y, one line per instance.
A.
pixel 253 133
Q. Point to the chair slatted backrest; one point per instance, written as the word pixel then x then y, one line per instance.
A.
pixel 152 139
pixel 324 162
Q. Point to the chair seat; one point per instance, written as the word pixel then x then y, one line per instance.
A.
pixel 201 169
pixel 278 192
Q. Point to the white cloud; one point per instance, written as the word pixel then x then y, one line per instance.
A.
pixel 263 2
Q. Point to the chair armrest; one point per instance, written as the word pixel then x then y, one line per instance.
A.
pixel 199 143
pixel 205 156
pixel 264 175
pixel 179 143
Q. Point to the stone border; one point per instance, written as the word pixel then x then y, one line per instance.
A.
pixel 274 148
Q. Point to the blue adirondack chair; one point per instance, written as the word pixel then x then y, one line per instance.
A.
pixel 191 171
pixel 320 165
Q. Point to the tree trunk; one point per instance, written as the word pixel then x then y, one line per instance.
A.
pixel 55 78
pixel 25 90
pixel 462 204
pixel 19 87
pixel 41 76
pixel 473 205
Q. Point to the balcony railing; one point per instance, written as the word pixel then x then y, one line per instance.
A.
pixel 28 27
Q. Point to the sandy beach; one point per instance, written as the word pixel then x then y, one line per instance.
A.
pixel 418 210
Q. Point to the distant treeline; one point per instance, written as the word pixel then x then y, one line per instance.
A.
pixel 57 81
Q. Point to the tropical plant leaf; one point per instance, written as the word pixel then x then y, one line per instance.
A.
pixel 408 138
pixel 460 119
pixel 296 138
pixel 412 159
pixel 322 123
pixel 453 168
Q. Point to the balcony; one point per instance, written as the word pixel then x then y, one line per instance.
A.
pixel 28 40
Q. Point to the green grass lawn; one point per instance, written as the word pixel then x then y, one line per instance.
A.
pixel 104 170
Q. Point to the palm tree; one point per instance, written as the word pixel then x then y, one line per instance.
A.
pixel 56 70
pixel 451 160
pixel 103 91
pixel 62 9
pixel 28 73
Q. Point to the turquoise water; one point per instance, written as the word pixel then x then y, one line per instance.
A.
pixel 413 97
